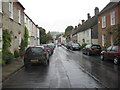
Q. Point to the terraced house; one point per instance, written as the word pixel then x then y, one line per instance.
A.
pixel 108 24
pixel 13 20
pixel 33 30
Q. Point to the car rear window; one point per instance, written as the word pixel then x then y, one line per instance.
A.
pixel 37 50
pixel 75 44
pixel 96 47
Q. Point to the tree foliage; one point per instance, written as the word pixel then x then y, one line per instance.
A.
pixel 68 29
pixel 115 30
pixel 26 36
pixel 44 38
pixel 6 39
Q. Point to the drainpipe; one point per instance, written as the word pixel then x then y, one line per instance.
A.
pixel 91 34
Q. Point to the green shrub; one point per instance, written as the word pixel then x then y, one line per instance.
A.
pixel 16 54
pixel 7 56
pixel 83 45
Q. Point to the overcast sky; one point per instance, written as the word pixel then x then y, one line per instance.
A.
pixel 56 15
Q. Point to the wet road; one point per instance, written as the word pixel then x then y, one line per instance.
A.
pixel 67 69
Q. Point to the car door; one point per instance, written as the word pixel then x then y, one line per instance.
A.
pixel 107 53
pixel 113 52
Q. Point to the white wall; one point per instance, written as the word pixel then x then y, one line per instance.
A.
pixel 86 35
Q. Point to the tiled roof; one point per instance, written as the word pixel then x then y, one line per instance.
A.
pixel 109 6
pixel 88 24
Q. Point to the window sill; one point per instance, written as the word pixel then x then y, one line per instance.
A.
pixel 11 19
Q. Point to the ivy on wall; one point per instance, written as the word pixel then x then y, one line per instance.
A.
pixel 24 42
pixel 7 56
pixel 115 30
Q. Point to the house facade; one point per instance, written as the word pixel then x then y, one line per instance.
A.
pixel 108 18
pixel 88 31
pixel 33 30
pixel 13 20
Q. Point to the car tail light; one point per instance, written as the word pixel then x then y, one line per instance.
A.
pixel 47 49
pixel 90 49
pixel 43 54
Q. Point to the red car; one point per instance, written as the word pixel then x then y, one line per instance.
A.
pixel 112 53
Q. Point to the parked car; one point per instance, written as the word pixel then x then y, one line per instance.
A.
pixel 68 45
pixel 75 46
pixel 35 55
pixel 59 45
pixel 112 53
pixel 92 49
pixel 48 49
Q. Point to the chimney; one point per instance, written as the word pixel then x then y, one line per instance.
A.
pixel 96 10
pixel 88 15
pixel 83 21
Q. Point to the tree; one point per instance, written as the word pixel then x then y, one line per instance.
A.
pixel 26 36
pixel 42 35
pixel 48 37
pixel 68 29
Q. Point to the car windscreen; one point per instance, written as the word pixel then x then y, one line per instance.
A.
pixel 75 44
pixel 37 50
pixel 96 47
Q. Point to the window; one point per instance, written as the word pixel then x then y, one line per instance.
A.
pixel 103 40
pixel 0 38
pixel 19 16
pixel 112 18
pixel 19 39
pixel 109 48
pixel 103 21
pixel 0 6
pixel 114 49
pixel 11 10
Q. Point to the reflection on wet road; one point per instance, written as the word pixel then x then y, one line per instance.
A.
pixel 67 69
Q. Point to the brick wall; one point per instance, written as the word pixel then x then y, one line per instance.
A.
pixel 105 30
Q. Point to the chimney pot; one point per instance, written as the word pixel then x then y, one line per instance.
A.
pixel 83 21
pixel 96 10
pixel 88 15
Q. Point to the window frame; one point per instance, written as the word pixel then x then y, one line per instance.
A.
pixel 1 6
pixel 103 21
pixel 19 16
pixel 11 10
pixel 112 18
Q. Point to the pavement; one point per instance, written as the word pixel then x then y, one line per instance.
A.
pixel 10 69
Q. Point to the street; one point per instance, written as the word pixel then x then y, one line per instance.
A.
pixel 68 69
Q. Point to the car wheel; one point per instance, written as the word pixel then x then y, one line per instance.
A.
pixel 115 60
pixel 102 57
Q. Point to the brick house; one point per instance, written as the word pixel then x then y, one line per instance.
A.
pixel 107 19
pixel 13 20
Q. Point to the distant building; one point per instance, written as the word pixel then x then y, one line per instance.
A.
pixel 13 20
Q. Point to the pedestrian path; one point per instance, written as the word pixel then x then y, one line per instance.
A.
pixel 10 69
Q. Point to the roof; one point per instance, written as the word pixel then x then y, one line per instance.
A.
pixel 29 18
pixel 88 24
pixel 20 4
pixel 109 6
